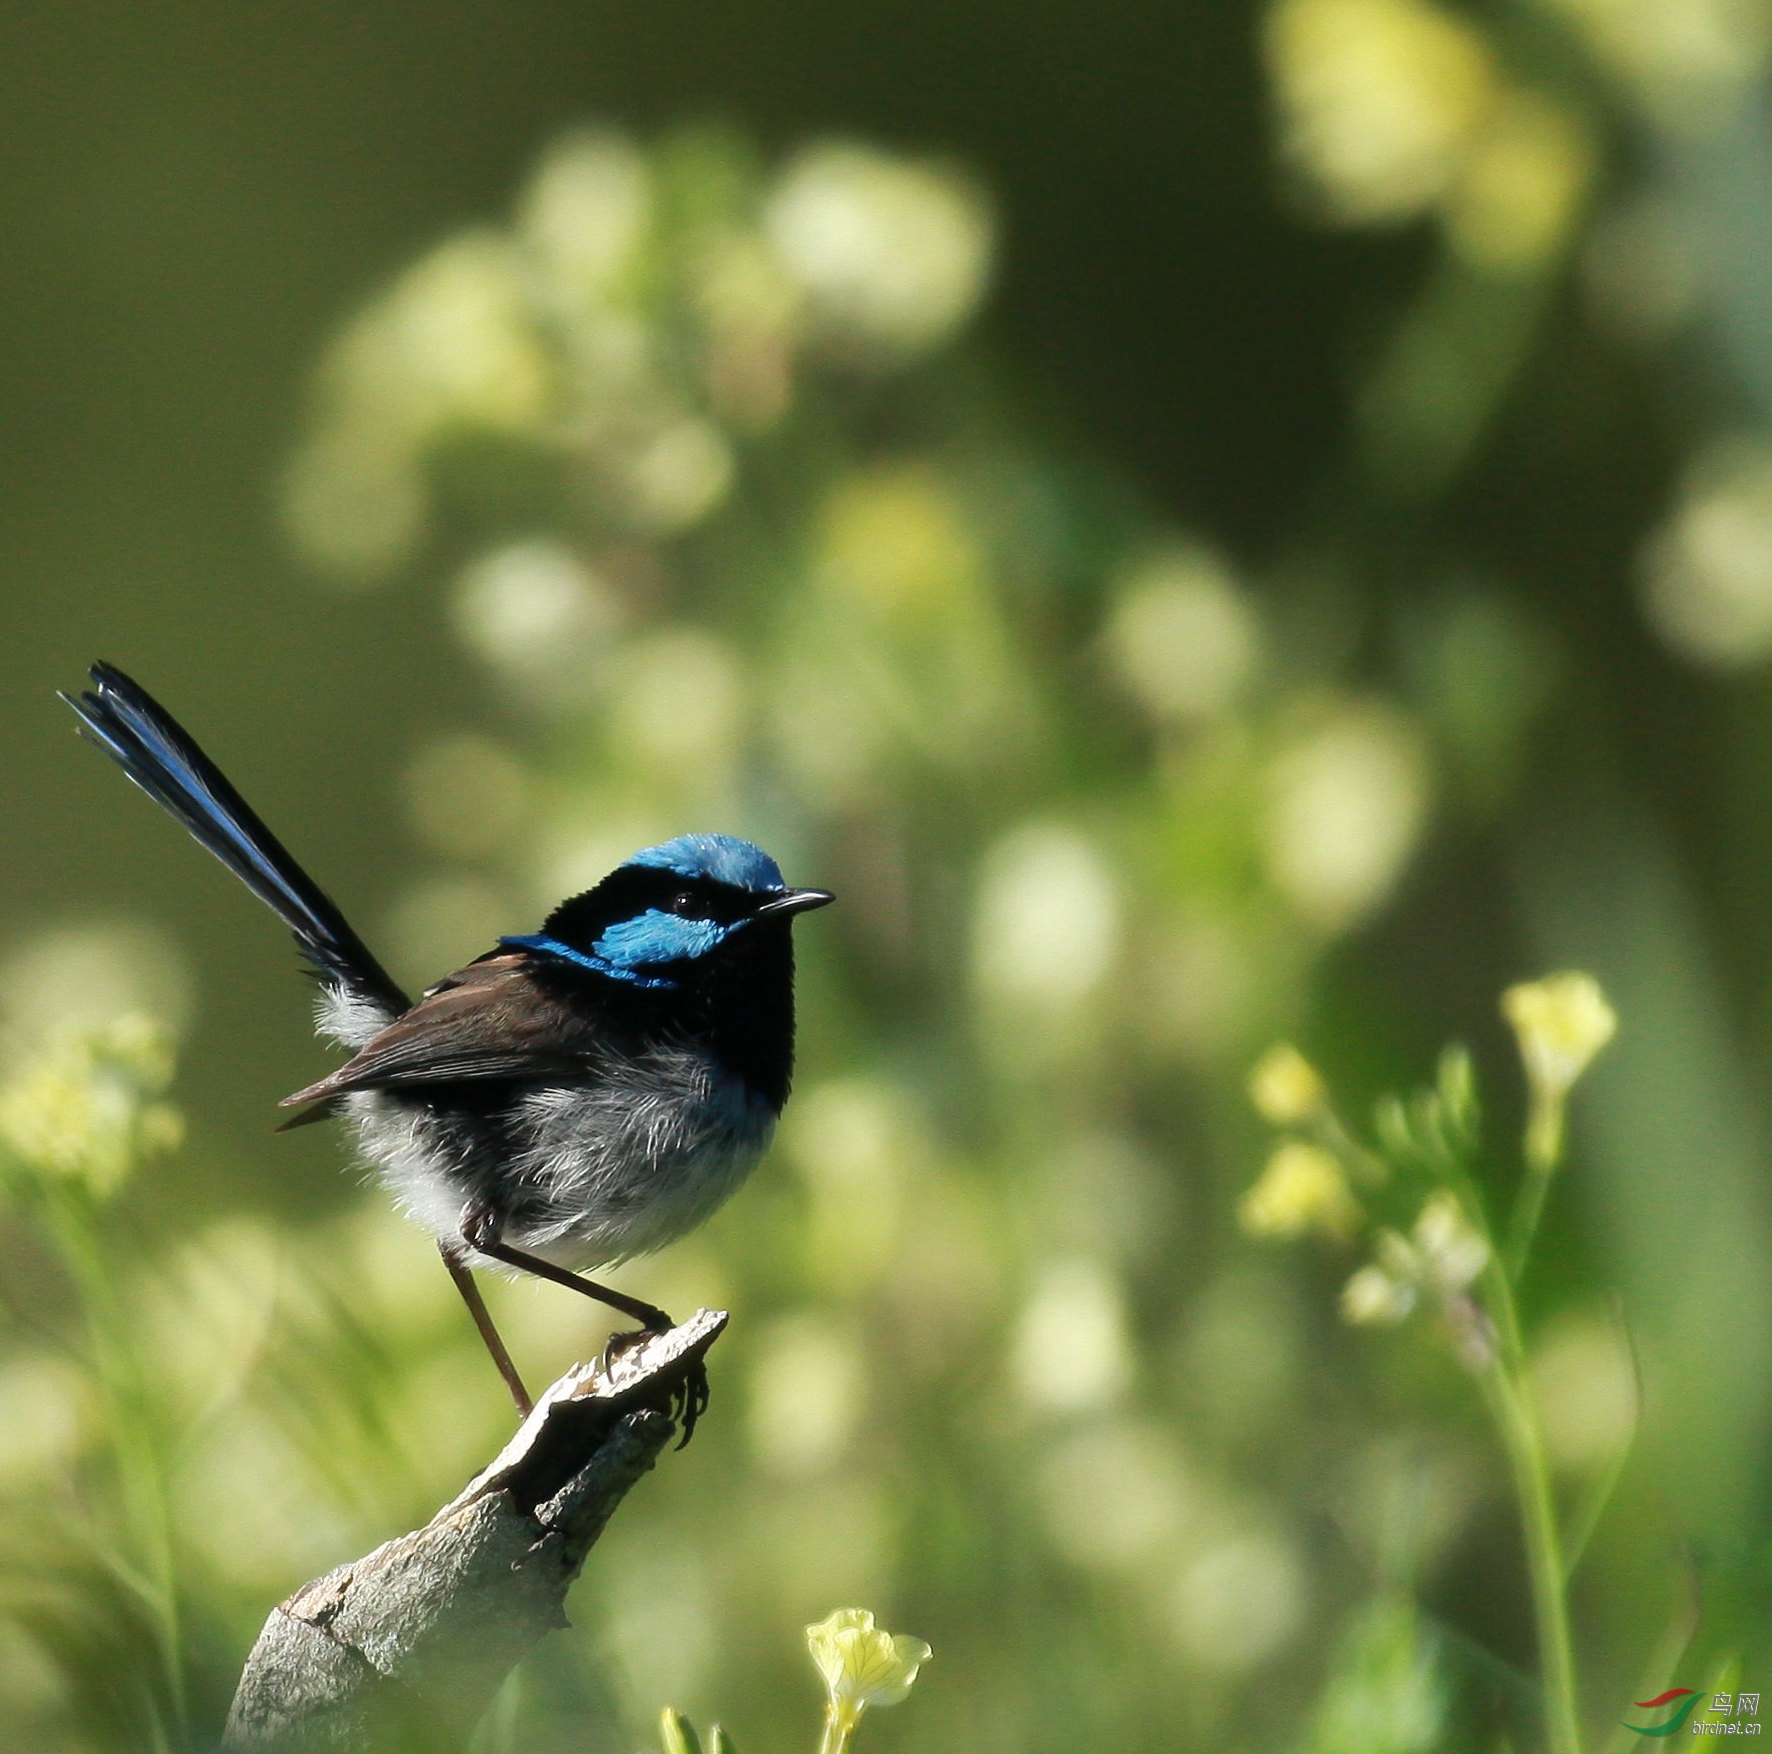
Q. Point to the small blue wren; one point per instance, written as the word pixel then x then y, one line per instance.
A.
pixel 575 1097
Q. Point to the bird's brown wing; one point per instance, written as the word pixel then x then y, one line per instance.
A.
pixel 490 1021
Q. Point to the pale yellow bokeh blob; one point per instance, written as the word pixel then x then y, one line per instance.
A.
pixel 1380 101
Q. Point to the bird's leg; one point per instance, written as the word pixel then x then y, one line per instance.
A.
pixel 480 1226
pixel 463 1276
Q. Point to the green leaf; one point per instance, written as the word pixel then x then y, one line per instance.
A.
pixel 678 1733
pixel 1458 1097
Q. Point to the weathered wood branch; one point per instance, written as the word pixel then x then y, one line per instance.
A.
pixel 406 1646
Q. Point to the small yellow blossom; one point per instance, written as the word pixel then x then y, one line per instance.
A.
pixel 1380 100
pixel 80 1110
pixel 1522 185
pixel 1286 1088
pixel 1562 1022
pixel 1372 1298
pixel 1301 1189
pixel 861 1666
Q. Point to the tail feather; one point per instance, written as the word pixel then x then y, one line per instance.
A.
pixel 160 756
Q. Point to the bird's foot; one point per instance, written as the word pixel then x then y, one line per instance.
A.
pixel 689 1396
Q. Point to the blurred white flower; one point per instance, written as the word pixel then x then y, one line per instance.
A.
pixel 1071 1350
pixel 1707 573
pixel 585 216
pixel 355 502
pixel 1236 1603
pixel 1047 923
pixel 1452 1251
pixel 1443 1255
pixel 1379 100
pixel 538 615
pixel 1346 804
pixel 893 254
pixel 1182 637
pixel 1375 1298
pixel 750 308
pixel 673 477
pixel 450 343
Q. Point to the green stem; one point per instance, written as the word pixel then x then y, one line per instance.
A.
pixel 1544 1151
pixel 140 1475
pixel 1503 1384
pixel 837 1730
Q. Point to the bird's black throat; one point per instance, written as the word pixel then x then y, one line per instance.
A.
pixel 738 1002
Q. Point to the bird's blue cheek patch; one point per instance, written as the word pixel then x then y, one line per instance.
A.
pixel 629 947
pixel 658 937
pixel 543 945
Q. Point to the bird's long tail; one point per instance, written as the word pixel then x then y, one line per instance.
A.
pixel 161 757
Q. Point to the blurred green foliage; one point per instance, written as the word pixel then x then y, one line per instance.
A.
pixel 701 454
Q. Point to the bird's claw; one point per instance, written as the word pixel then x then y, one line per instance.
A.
pixel 689 1394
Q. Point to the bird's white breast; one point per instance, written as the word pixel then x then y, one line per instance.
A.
pixel 617 1165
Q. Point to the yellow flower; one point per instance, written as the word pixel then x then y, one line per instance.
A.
pixel 1379 100
pixel 1301 1189
pixel 1522 187
pixel 1286 1088
pixel 861 1666
pixel 1562 1022
pixel 79 1111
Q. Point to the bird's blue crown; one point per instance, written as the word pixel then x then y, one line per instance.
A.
pixel 723 857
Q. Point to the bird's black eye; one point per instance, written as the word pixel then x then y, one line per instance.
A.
pixel 683 902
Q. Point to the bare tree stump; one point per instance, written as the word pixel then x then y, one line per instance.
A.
pixel 406 1646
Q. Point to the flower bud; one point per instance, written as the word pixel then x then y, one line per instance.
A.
pixel 1286 1088
pixel 1301 1189
pixel 1562 1023
pixel 1373 1299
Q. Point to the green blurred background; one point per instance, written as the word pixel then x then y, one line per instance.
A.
pixel 1202 524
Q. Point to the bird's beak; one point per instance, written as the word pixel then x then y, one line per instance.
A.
pixel 793 901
